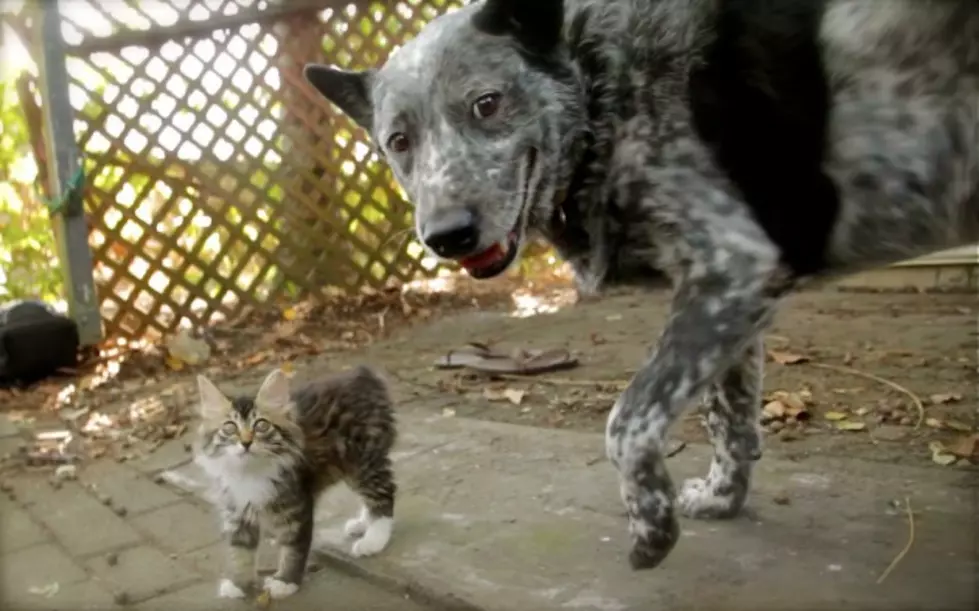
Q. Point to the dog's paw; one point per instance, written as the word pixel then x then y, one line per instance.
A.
pixel 228 589
pixel 699 500
pixel 355 527
pixel 279 589
pixel 652 543
pixel 375 538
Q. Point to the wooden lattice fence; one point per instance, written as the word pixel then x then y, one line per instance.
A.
pixel 216 177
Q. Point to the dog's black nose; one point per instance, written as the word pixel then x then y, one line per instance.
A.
pixel 451 233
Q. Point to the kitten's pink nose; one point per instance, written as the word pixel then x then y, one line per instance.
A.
pixel 246 444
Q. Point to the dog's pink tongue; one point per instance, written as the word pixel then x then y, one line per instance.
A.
pixel 484 259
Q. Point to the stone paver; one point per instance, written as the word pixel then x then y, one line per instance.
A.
pixel 81 523
pixel 180 528
pixel 17 529
pixel 169 455
pixel 323 591
pixel 80 595
pixel 26 573
pixel 141 572
pixel 127 487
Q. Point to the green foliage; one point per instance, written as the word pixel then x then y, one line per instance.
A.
pixel 28 252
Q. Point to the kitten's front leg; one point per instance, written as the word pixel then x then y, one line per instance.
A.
pixel 294 533
pixel 243 538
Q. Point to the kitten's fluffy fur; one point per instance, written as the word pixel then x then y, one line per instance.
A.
pixel 269 458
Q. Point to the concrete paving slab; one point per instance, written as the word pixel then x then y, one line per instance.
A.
pixel 328 590
pixel 29 574
pixel 141 573
pixel 515 518
pixel 127 487
pixel 508 518
pixel 82 524
pixel 17 529
pixel 87 595
pixel 180 528
pixel 170 455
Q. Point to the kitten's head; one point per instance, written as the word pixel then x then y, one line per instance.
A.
pixel 256 428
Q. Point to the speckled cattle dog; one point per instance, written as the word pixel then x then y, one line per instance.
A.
pixel 738 147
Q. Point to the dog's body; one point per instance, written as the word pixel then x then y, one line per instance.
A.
pixel 738 147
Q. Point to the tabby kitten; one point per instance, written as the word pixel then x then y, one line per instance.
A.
pixel 269 458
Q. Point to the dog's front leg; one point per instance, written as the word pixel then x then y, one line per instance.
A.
pixel 716 320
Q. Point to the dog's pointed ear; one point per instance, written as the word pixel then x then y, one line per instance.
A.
pixel 349 90
pixel 535 24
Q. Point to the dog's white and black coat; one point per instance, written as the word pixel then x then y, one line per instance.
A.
pixel 735 147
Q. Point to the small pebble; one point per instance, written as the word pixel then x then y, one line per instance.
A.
pixel 105 499
pixel 776 426
pixel 159 479
pixel 188 447
pixel 112 559
pixel 5 487
pixel 120 511
pixel 781 499
pixel 121 598
pixel 905 421
pixel 55 483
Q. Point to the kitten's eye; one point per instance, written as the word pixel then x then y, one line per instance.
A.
pixel 262 426
pixel 398 142
pixel 487 105
pixel 229 428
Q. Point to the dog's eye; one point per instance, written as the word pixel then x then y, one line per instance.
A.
pixel 398 142
pixel 229 428
pixel 486 106
pixel 262 425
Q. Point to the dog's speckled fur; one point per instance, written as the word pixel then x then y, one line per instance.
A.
pixel 736 147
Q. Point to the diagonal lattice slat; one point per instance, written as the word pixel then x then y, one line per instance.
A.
pixel 217 177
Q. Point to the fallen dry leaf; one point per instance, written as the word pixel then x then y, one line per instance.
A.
pixel 174 363
pixel 288 368
pixel 940 455
pixel 961 427
pixel 264 599
pixel 289 314
pixel 834 416
pixel 794 403
pixel 946 397
pixel 514 395
pixel 848 425
pixel 787 358
pixel 966 447
pixel 774 409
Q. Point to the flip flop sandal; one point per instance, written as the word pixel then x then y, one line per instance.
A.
pixel 479 357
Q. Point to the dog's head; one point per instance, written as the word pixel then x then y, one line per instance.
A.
pixel 476 117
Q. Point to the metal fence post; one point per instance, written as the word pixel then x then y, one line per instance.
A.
pixel 66 188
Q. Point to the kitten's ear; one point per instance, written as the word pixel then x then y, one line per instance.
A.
pixel 349 90
pixel 535 24
pixel 275 390
pixel 213 403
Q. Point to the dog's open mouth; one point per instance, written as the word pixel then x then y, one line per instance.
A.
pixel 497 258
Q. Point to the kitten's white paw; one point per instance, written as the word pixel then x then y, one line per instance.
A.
pixel 228 589
pixel 375 539
pixel 280 589
pixel 355 527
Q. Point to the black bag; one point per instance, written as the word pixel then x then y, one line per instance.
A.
pixel 35 341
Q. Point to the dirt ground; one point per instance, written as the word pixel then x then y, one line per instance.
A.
pixel 884 350
pixel 844 374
